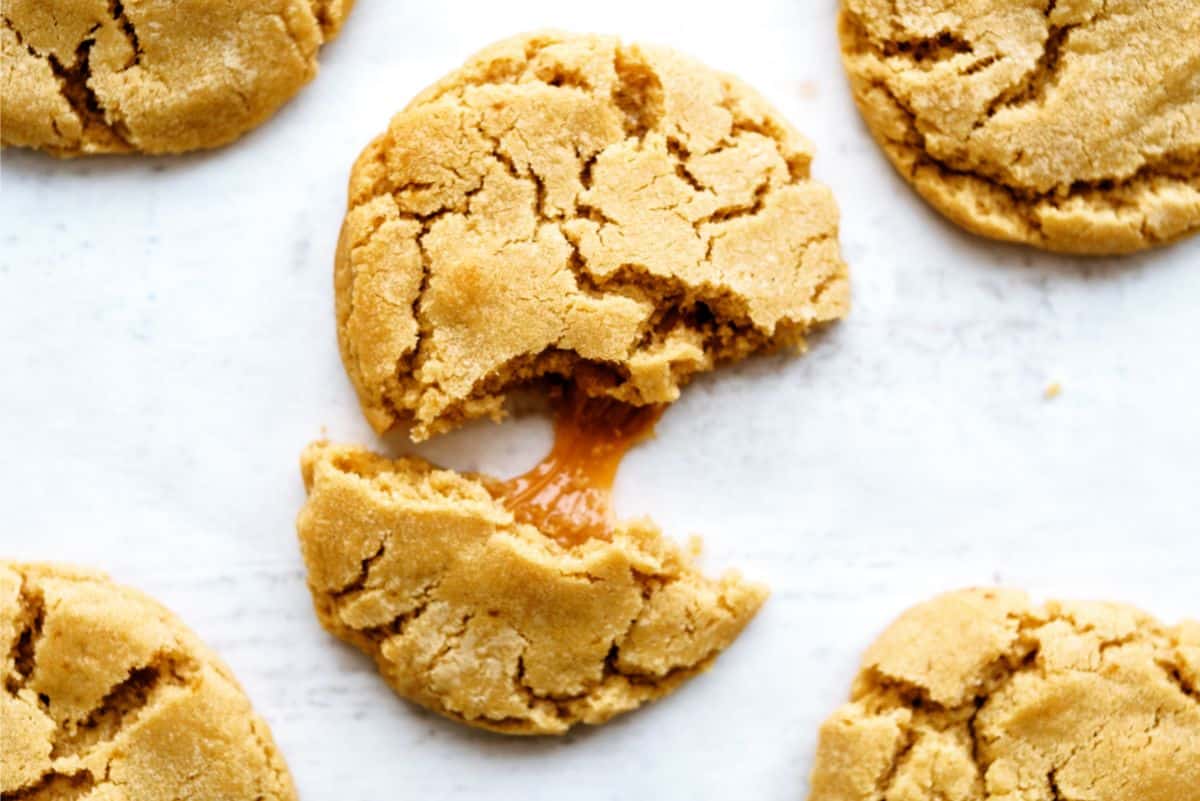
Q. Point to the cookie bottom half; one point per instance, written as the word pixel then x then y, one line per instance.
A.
pixel 491 622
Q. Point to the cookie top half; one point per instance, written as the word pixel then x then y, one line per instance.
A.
pixel 108 696
pixel 981 694
pixel 1071 125
pixel 95 76
pixel 615 215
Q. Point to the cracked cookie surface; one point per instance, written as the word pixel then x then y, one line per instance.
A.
pixel 1070 125
pixel 616 215
pixel 489 621
pixel 105 76
pixel 108 696
pixel 979 695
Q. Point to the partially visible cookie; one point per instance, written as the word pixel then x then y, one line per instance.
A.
pixel 96 76
pixel 108 696
pixel 491 622
pixel 981 695
pixel 616 215
pixel 1071 126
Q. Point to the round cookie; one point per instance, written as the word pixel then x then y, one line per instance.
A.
pixel 565 205
pixel 108 696
pixel 97 76
pixel 490 621
pixel 981 695
pixel 1070 125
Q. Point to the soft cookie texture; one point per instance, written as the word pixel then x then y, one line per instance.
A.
pixel 981 696
pixel 98 76
pixel 1070 125
pixel 490 622
pixel 107 697
pixel 616 215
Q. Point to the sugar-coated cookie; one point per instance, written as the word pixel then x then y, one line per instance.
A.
pixel 98 76
pixel 1070 125
pixel 108 697
pixel 980 695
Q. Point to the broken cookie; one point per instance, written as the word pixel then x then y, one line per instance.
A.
pixel 108 696
pixel 982 695
pixel 1070 126
pixel 499 623
pixel 97 76
pixel 617 216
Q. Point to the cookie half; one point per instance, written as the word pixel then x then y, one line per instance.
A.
pixel 95 76
pixel 615 215
pixel 108 696
pixel 1070 126
pixel 490 621
pixel 982 695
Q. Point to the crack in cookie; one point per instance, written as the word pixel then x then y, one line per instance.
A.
pixel 116 10
pixel 121 707
pixel 490 621
pixel 1038 124
pixel 570 194
pixel 980 695
pixel 104 76
pixel 106 693
pixel 27 623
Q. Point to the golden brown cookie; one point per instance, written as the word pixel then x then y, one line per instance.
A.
pixel 98 76
pixel 616 215
pixel 1070 125
pixel 490 621
pixel 979 695
pixel 108 696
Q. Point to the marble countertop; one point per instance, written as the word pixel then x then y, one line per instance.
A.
pixel 168 348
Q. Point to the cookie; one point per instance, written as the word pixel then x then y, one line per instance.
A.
pixel 1069 125
pixel 97 76
pixel 108 696
pixel 980 694
pixel 563 205
pixel 490 621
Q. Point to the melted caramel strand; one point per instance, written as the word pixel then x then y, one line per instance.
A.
pixel 568 495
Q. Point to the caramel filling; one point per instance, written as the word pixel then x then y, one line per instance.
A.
pixel 568 495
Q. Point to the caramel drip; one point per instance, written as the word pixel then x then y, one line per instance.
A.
pixel 568 495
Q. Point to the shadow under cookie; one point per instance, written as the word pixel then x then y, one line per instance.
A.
pixel 490 621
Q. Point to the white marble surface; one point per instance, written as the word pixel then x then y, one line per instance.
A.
pixel 167 346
